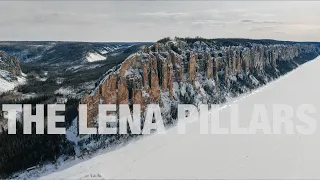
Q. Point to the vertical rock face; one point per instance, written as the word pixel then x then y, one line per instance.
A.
pixel 209 66
pixel 246 57
pixel 192 69
pixel 226 71
pixel 234 60
pixel 135 88
pixel 108 90
pixel 153 79
pixel 131 61
pixel 154 91
pixel 239 62
pixel 170 81
pixel 92 102
pixel 177 66
pixel 10 64
pixel 123 93
pixel 137 97
pixel 145 76
pixel 165 74
pixel 180 71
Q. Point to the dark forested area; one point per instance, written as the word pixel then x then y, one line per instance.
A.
pixel 20 151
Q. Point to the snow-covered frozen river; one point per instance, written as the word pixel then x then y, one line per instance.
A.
pixel 199 156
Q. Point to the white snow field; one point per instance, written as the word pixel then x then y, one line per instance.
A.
pixel 92 57
pixel 195 155
pixel 7 82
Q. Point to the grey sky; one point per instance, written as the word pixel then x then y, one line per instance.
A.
pixel 150 21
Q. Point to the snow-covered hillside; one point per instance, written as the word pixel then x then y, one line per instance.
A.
pixel 10 72
pixel 8 81
pixel 66 53
pixel 218 156
pixel 92 57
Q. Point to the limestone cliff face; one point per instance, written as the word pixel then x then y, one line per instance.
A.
pixel 199 72
pixel 108 90
pixel 10 64
pixel 92 102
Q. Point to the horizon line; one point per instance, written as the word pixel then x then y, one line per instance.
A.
pixel 136 41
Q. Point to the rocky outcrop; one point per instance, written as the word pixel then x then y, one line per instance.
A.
pixel 92 102
pixel 10 73
pixel 109 90
pixel 10 64
pixel 209 68
pixel 192 69
pixel 199 72
pixel 170 80
pixel 177 66
pixel 123 92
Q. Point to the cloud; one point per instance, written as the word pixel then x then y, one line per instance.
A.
pixel 164 14
pixel 53 18
pixel 207 24
pixel 263 29
pixel 281 32
pixel 246 21
pixel 149 20
pixel 260 22
pixel 198 15
pixel 258 14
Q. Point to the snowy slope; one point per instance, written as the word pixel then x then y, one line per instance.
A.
pixel 219 156
pixel 92 57
pixel 55 53
pixel 8 81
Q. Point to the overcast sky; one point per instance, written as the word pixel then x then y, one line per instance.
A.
pixel 150 21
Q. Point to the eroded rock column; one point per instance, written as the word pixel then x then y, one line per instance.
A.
pixel 192 69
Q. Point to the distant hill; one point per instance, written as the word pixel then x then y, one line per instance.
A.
pixel 64 53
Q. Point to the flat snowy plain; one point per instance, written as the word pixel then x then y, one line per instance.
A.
pixel 199 156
